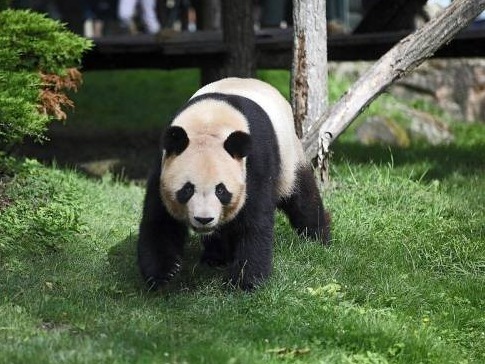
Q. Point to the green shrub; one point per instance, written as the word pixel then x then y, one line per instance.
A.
pixel 38 60
pixel 37 216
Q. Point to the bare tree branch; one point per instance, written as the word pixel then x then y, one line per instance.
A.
pixel 400 60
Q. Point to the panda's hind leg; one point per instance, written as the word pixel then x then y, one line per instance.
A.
pixel 304 207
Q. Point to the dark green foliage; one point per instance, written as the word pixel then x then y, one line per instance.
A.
pixel 33 46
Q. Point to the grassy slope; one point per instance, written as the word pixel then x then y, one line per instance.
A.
pixel 403 281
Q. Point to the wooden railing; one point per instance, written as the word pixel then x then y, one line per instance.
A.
pixel 273 49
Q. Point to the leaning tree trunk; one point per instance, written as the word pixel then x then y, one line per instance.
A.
pixel 309 71
pixel 238 28
pixel 400 60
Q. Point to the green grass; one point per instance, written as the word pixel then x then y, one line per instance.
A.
pixel 146 98
pixel 403 281
pixel 131 99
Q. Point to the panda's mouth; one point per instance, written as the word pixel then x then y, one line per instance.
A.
pixel 203 224
pixel 204 230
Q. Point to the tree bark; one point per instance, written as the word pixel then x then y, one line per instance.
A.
pixel 400 60
pixel 238 28
pixel 309 70
pixel 208 14
pixel 208 18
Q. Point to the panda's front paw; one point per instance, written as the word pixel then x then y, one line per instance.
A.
pixel 247 281
pixel 156 281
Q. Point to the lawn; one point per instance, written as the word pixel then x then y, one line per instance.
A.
pixel 402 282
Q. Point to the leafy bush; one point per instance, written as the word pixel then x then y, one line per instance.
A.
pixel 38 61
pixel 40 214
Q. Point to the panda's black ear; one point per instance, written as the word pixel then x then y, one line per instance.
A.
pixel 238 144
pixel 175 140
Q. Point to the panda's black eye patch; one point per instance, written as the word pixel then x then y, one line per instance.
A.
pixel 223 194
pixel 185 193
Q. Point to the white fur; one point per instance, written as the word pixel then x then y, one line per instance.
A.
pixel 280 114
pixel 204 204
pixel 205 163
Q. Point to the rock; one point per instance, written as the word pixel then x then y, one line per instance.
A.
pixel 457 86
pixel 426 126
pixel 420 126
pixel 99 168
pixel 382 130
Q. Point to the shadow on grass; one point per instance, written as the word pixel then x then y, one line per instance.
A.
pixel 127 154
pixel 131 155
pixel 442 160
pixel 123 261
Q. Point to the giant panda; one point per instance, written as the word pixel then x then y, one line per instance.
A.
pixel 230 158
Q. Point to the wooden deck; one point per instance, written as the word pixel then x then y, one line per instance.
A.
pixel 273 48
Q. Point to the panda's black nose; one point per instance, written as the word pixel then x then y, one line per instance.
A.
pixel 204 220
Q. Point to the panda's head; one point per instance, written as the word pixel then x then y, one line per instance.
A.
pixel 203 180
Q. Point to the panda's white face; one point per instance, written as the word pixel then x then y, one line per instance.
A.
pixel 204 185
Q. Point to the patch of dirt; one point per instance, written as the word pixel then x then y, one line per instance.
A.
pixel 125 154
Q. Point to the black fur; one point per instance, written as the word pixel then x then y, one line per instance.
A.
pixel 245 244
pixel 223 194
pixel 304 208
pixel 185 193
pixel 238 144
pixel 161 239
pixel 175 140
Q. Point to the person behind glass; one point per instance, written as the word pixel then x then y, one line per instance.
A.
pixel 126 13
